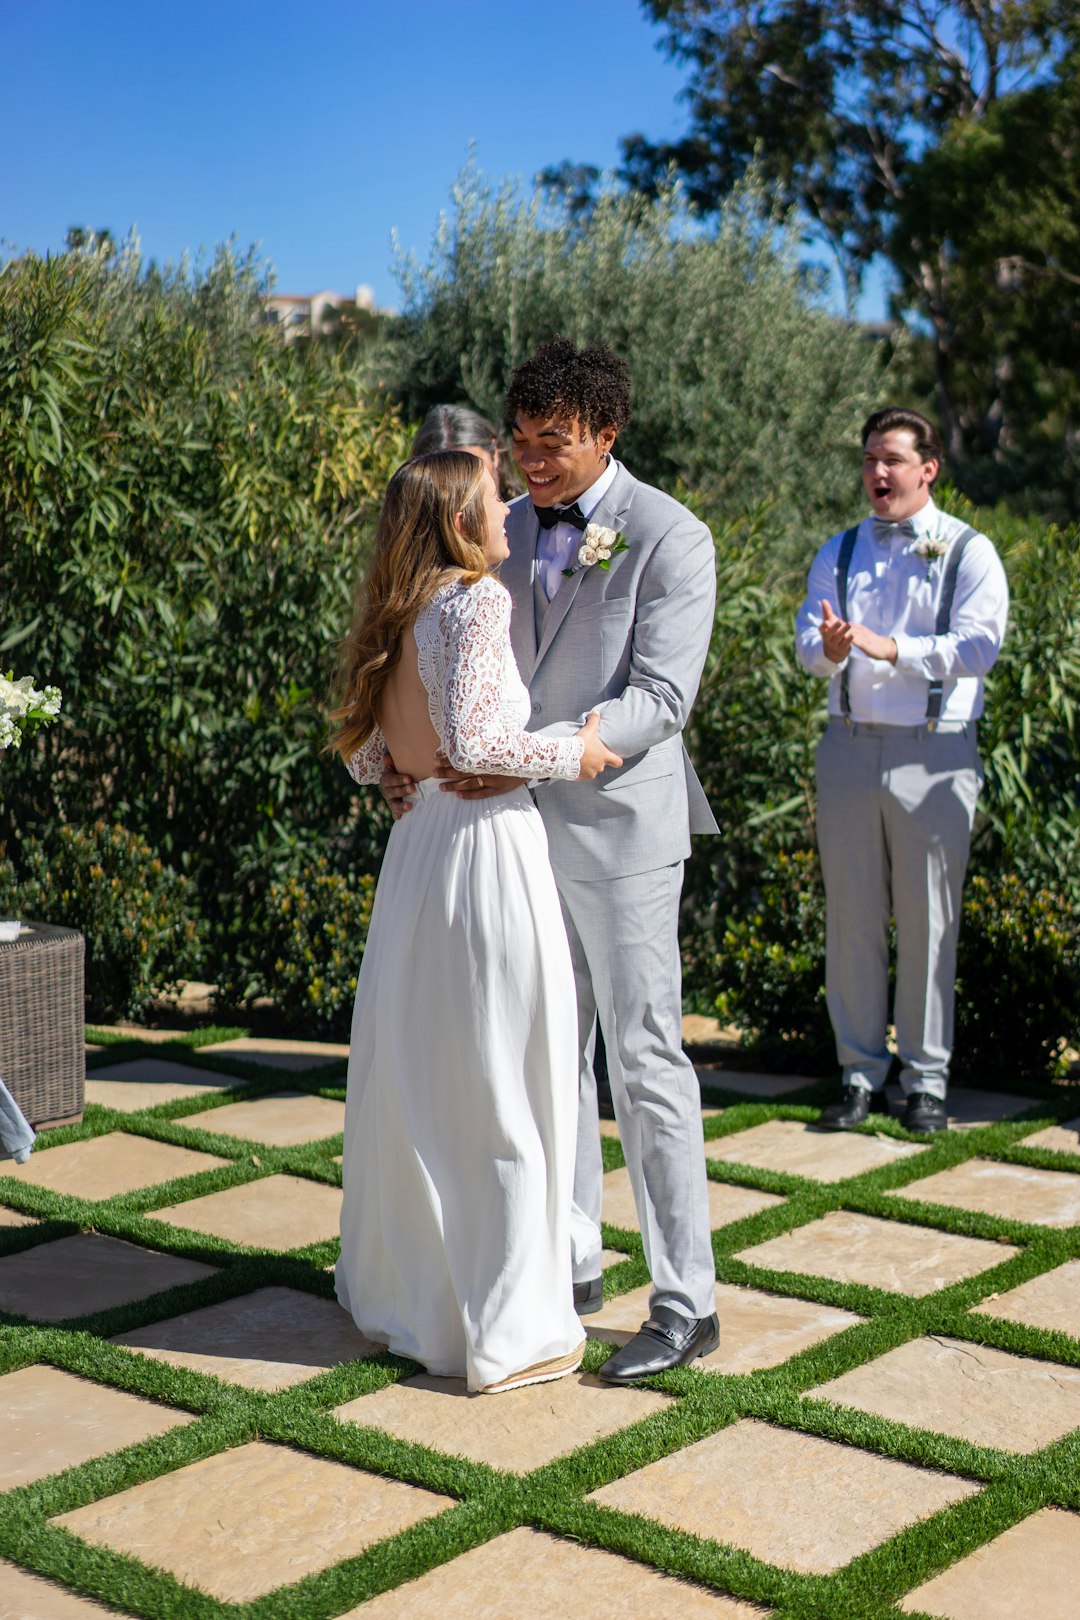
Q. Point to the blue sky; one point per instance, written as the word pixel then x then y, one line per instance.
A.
pixel 313 131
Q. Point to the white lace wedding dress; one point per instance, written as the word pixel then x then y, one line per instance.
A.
pixel 461 1107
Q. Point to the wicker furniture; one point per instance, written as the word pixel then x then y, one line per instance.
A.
pixel 42 1039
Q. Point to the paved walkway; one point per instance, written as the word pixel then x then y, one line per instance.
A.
pixel 891 1424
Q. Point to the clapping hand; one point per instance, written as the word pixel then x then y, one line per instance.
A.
pixel 838 637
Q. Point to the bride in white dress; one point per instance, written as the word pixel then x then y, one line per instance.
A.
pixel 461 1107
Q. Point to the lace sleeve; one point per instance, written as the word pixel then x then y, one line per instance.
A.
pixel 366 765
pixel 478 735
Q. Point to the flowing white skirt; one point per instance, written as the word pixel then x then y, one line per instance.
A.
pixel 460 1116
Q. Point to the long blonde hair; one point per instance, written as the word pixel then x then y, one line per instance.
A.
pixel 418 547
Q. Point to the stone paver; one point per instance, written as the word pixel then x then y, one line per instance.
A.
pixel 266 1340
pixel 519 1429
pixel 1012 1191
pixel 802 1150
pixel 726 1204
pixel 199 1523
pixel 88 1272
pixel 281 1054
pixel 1063 1138
pixel 968 1109
pixel 854 1248
pixel 278 1212
pixel 104 1166
pixel 24 1596
pixel 700 1029
pixel 560 1577
pixel 1051 1300
pixel 148 1082
pixel 281 1120
pixel 988 1397
pixel 14 1217
pixel 1033 1568
pixel 791 1499
pixel 136 1032
pixel 51 1420
pixel 750 1085
pixel 756 1329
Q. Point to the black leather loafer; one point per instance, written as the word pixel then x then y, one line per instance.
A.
pixel 665 1340
pixel 857 1103
pixel 589 1296
pixel 925 1113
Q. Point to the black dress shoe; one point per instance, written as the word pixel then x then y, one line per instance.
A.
pixel 589 1296
pixel 857 1103
pixel 925 1113
pixel 666 1340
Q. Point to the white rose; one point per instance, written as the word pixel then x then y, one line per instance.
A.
pixel 587 556
pixel 603 553
pixel 12 696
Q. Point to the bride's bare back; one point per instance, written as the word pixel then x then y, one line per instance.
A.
pixel 404 718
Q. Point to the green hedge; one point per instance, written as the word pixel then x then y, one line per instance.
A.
pixel 184 506
pixel 139 918
pixel 1017 986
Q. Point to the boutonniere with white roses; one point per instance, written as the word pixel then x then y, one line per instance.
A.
pixel 598 546
pixel 23 708
pixel 931 547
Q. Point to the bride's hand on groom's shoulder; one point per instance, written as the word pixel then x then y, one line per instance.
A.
pixel 596 755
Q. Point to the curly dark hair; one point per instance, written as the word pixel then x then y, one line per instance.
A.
pixel 591 383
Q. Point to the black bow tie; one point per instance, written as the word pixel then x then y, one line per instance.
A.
pixel 548 516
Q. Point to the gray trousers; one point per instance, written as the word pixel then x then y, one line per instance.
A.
pixel 895 808
pixel 624 945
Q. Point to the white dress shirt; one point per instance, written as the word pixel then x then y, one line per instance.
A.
pixel 558 547
pixel 894 591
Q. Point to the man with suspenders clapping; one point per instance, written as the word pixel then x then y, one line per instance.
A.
pixel 904 615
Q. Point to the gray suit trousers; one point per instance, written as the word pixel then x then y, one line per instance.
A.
pixel 895 808
pixel 623 936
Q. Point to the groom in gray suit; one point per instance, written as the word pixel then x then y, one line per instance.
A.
pixel 613 589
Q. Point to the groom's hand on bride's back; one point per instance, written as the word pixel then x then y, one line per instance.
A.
pixel 395 788
pixel 470 785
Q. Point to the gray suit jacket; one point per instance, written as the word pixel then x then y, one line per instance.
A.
pixel 630 641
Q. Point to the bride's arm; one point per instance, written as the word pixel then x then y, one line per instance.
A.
pixel 476 734
pixel 369 762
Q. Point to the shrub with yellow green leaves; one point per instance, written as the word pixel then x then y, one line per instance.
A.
pixel 1018 981
pixel 137 915
pixel 317 924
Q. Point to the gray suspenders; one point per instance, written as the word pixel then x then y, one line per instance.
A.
pixel 941 624
pixel 843 563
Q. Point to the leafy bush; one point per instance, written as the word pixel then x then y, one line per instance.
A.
pixel 184 501
pixel 317 923
pixel 1030 735
pixel 137 915
pixel 1018 981
pixel 752 736
pixel 769 973
pixel 745 388
pixel 1017 987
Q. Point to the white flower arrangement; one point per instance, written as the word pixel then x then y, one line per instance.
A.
pixel 598 546
pixel 24 708
pixel 931 547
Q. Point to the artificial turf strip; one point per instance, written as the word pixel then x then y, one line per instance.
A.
pixel 552 1497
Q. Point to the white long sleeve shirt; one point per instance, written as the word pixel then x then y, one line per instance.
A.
pixel 894 591
pixel 558 547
